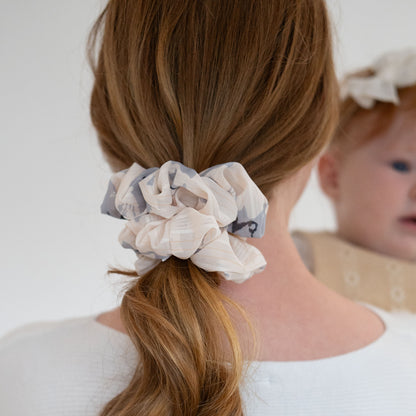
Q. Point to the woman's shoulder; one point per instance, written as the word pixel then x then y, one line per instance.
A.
pixel 72 363
pixel 377 380
pixel 401 324
pixel 44 337
pixel 83 336
pixel 36 331
pixel 394 353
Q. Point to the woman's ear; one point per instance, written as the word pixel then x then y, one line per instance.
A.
pixel 328 172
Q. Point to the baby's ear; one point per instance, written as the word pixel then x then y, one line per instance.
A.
pixel 328 172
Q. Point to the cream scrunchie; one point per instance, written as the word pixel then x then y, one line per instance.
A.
pixel 392 70
pixel 174 211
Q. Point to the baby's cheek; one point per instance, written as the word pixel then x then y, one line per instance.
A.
pixel 378 192
pixel 366 201
pixel 359 189
pixel 385 200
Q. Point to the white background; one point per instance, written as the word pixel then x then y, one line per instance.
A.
pixel 55 246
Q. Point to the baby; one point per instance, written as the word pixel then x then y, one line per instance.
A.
pixel 369 174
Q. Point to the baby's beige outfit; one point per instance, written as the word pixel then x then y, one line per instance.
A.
pixel 357 273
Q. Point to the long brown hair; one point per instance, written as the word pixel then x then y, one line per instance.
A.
pixel 204 82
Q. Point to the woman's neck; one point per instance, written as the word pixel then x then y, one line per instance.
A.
pixel 296 317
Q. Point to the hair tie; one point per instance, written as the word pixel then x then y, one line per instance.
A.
pixel 206 217
pixel 391 71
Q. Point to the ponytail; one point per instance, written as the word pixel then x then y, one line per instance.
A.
pixel 190 359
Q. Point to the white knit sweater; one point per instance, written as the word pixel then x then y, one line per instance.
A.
pixel 73 367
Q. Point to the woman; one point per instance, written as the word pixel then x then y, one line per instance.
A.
pixel 202 105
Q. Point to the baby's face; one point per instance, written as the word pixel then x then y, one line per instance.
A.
pixel 375 201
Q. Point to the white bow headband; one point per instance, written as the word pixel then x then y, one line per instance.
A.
pixel 391 71
pixel 173 210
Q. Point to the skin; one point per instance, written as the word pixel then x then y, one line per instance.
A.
pixel 373 189
pixel 295 316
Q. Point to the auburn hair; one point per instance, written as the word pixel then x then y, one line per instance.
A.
pixel 204 82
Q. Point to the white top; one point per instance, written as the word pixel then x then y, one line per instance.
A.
pixel 75 366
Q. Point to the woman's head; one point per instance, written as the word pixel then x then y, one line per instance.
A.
pixel 210 82
pixel 203 83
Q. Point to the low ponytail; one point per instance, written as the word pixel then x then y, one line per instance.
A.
pixel 190 360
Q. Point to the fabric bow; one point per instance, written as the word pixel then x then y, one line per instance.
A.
pixel 206 217
pixel 391 71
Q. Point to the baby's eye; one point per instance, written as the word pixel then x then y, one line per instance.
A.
pixel 400 166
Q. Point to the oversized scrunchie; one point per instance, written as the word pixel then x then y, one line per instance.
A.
pixel 174 211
